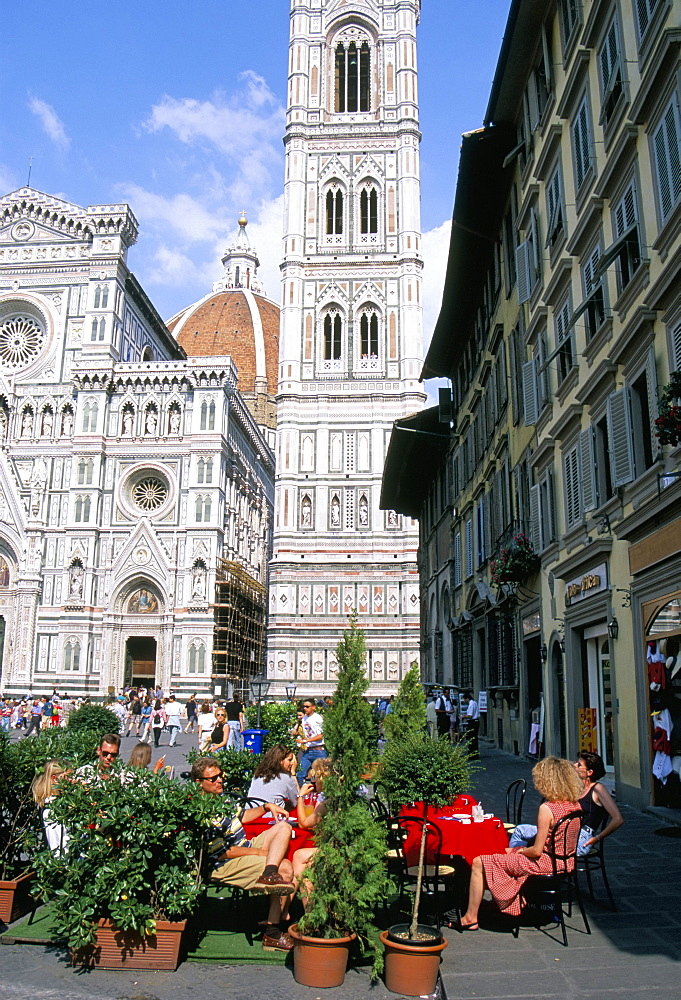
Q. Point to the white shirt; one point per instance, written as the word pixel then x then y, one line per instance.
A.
pixel 313 725
pixel 473 712
pixel 173 709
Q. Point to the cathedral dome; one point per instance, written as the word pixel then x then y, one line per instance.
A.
pixel 238 319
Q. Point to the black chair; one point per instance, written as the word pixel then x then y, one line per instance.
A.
pixel 546 891
pixel 515 794
pixel 595 861
pixel 244 802
pixel 436 873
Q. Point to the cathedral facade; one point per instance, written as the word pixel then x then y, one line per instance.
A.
pixel 350 342
pixel 136 487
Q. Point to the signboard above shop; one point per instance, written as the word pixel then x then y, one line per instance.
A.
pixel 586 585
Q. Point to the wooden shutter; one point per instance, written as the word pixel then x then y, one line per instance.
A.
pixel 667 141
pixel 621 436
pixel 571 488
pixel 530 400
pixel 469 547
pixel 535 519
pixel 587 462
pixel 522 265
pixel 651 384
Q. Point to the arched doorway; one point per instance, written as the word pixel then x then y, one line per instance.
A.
pixel 140 661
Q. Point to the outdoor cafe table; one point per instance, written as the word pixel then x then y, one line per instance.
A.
pixel 299 838
pixel 467 840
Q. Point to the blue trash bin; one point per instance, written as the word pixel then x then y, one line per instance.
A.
pixel 253 739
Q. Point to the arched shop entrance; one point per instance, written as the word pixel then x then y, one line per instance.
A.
pixel 662 629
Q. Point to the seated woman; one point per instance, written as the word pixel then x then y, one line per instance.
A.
pixel 44 790
pixel 141 757
pixel 275 778
pixel 219 737
pixel 596 803
pixel 505 874
pixel 308 821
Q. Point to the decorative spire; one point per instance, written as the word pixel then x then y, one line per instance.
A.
pixel 240 263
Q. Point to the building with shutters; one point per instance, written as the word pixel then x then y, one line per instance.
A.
pixel 560 329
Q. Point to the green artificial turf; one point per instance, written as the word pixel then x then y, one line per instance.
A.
pixel 222 931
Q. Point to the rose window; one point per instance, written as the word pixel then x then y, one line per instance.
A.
pixel 150 493
pixel 21 339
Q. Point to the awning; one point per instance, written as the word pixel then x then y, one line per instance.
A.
pixel 418 445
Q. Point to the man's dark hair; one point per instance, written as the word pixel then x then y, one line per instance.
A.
pixel 200 766
pixel 113 739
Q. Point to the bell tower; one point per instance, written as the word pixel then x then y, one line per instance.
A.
pixel 350 341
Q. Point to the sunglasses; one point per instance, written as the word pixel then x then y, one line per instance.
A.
pixel 108 753
pixel 212 777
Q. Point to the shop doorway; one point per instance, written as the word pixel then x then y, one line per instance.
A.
pixel 140 661
pixel 599 691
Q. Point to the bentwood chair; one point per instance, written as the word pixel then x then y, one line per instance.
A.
pixel 515 794
pixel 595 861
pixel 545 892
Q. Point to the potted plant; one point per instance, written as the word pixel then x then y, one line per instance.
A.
pixel 131 872
pixel 515 562
pixel 348 873
pixel 418 769
pixel 21 832
pixel 237 766
pixel 407 717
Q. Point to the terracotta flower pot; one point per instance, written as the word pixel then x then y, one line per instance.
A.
pixel 319 962
pixel 15 897
pixel 117 949
pixel 411 969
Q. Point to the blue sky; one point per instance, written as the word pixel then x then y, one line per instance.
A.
pixel 178 109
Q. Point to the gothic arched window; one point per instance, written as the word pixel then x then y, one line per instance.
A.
pixel 353 75
pixel 332 337
pixel 90 412
pixel 207 416
pixel 334 213
pixel 368 335
pixel 368 211
pixel 197 658
pixel 72 655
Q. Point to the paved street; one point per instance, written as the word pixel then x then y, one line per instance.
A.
pixel 630 953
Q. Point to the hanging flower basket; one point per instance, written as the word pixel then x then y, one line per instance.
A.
pixel 515 563
pixel 668 424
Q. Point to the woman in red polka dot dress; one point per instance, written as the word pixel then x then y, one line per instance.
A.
pixel 505 874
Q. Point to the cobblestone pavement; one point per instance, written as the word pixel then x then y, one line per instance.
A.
pixel 631 952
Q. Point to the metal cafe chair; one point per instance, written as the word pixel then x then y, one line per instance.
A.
pixel 595 861
pixel 515 794
pixel 436 873
pixel 546 891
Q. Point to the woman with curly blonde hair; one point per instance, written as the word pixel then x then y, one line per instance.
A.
pixel 505 874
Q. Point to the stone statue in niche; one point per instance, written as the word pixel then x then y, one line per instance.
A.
pixel 127 423
pixel 66 423
pixel 151 423
pixel 37 484
pixel 27 424
pixel 174 421
pixel 76 581
pixel 392 519
pixel 47 423
pixel 306 513
pixel 199 583
pixel 335 512
pixel 363 512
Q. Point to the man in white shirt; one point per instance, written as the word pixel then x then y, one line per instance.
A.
pixel 431 719
pixel 443 711
pixel 472 724
pixel 312 740
pixel 173 722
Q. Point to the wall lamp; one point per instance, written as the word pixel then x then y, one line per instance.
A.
pixel 613 628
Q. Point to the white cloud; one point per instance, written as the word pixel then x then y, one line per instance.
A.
pixel 50 121
pixel 192 221
pixel 435 244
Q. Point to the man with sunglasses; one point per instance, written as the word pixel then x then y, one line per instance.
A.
pixel 107 752
pixel 261 864
pixel 312 741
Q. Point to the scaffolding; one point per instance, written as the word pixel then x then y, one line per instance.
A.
pixel 240 612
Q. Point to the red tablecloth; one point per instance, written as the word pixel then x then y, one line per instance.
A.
pixel 299 838
pixel 467 840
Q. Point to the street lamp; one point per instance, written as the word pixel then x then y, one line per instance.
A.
pixel 613 628
pixel 290 691
pixel 259 688
pixel 543 652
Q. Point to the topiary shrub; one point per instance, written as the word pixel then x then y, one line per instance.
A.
pixel 94 718
pixel 237 767
pixel 277 718
pixel 348 873
pixel 407 717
